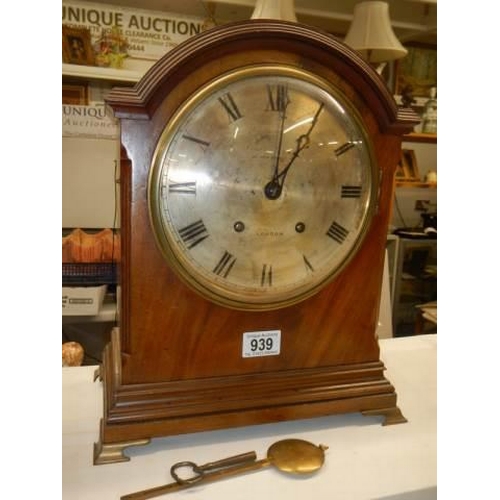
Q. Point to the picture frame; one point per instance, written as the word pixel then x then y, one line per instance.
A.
pixel 77 46
pixel 76 94
pixel 407 169
pixel 418 70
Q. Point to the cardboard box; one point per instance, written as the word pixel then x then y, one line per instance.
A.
pixel 82 301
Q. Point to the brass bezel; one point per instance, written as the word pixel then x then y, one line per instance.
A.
pixel 171 253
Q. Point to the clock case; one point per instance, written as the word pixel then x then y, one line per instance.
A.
pixel 174 364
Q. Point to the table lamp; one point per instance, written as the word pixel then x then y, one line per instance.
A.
pixel 372 36
pixel 275 9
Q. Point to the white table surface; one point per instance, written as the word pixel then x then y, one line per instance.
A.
pixel 365 460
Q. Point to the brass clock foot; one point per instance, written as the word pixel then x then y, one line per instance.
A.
pixel 113 452
pixel 391 415
pixel 110 453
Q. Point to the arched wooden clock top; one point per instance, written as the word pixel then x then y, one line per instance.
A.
pixel 309 43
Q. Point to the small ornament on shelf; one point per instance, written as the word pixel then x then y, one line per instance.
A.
pixel 431 178
pixel 407 98
pixel 429 116
pixel 409 101
pixel 111 48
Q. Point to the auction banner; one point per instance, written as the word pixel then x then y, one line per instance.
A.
pixel 85 114
pixel 149 34
pixel 91 122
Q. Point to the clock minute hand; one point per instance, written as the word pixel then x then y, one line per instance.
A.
pixel 280 140
pixel 274 187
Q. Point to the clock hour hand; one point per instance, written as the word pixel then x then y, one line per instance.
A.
pixel 274 187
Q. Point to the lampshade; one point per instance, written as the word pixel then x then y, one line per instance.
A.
pixel 274 9
pixel 371 33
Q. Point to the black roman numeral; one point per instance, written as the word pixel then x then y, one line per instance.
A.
pixel 344 148
pixel 194 233
pixel 229 105
pixel 278 97
pixel 182 187
pixel 266 276
pixel 225 264
pixel 348 191
pixel 337 232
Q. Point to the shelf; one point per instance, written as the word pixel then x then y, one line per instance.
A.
pixel 132 72
pixel 419 137
pixel 107 314
pixel 97 73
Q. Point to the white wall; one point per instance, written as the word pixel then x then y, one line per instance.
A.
pixel 88 182
pixel 384 326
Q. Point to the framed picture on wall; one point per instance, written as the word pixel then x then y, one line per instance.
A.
pixel 417 69
pixel 77 47
pixel 73 93
pixel 407 167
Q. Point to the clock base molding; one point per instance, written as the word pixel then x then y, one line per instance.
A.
pixel 135 413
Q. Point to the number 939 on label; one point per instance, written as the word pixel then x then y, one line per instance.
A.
pixel 265 343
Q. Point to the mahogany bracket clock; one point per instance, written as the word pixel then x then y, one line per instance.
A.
pixel 257 167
